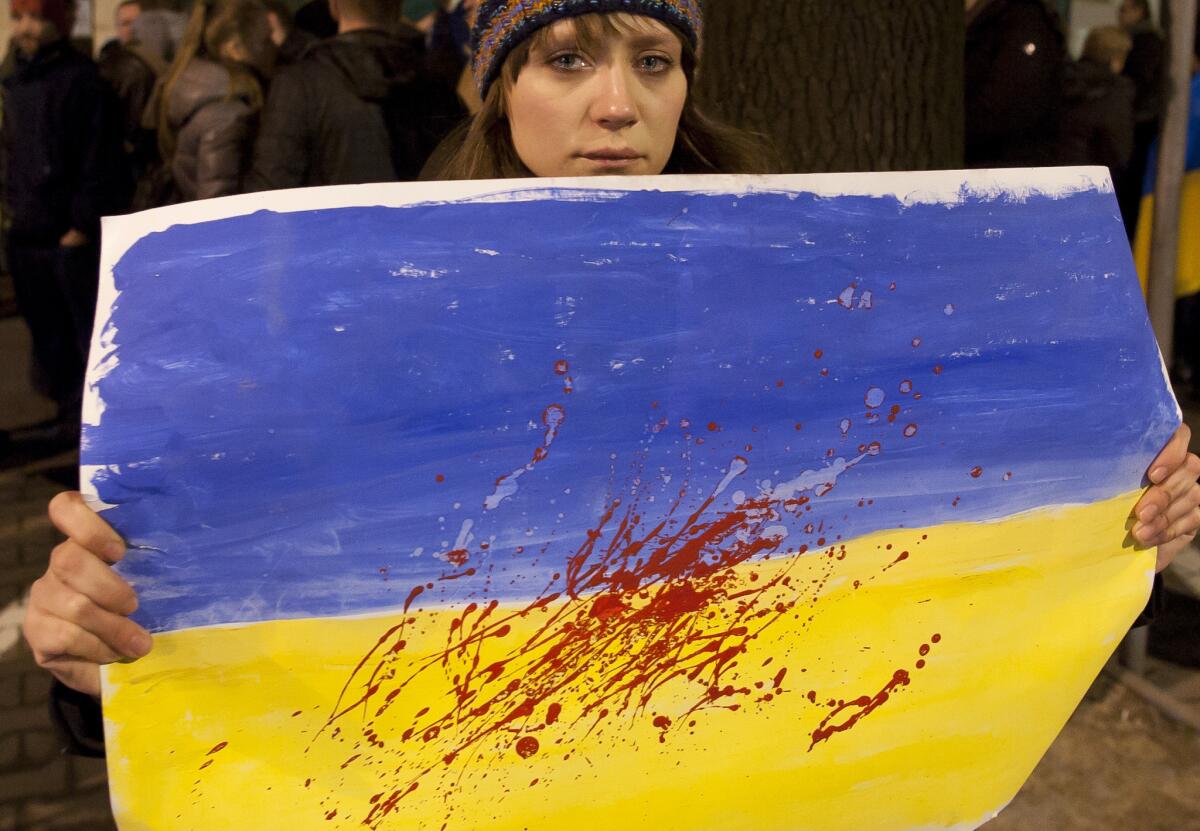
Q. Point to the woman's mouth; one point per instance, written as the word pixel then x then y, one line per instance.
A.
pixel 611 158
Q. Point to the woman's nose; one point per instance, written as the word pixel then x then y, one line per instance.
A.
pixel 614 106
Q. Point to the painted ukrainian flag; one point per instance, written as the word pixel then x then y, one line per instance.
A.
pixel 678 503
pixel 1187 279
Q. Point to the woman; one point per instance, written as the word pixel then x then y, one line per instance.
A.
pixel 211 97
pixel 565 93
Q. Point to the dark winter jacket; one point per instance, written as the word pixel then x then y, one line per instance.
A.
pixel 64 165
pixel 1146 67
pixel 293 47
pixel 132 71
pixel 1096 126
pixel 361 107
pixel 1014 61
pixel 214 132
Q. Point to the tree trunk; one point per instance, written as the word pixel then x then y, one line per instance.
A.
pixel 840 84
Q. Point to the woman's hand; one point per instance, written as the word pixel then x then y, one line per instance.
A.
pixel 1168 514
pixel 78 612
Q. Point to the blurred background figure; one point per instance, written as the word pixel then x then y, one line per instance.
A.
pixel 1096 124
pixel 63 168
pixel 289 40
pixel 450 48
pixel 123 18
pixel 359 107
pixel 132 70
pixel 212 96
pixel 1146 67
pixel 1015 55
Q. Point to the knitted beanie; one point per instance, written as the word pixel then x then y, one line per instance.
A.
pixel 57 12
pixel 503 25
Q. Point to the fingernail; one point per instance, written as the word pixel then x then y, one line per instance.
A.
pixel 114 550
pixel 1148 513
pixel 1157 474
pixel 139 644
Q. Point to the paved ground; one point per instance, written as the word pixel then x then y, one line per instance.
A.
pixel 1118 766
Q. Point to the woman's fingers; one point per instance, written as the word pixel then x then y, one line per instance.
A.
pixel 1172 456
pixel 79 570
pixel 53 603
pixel 78 675
pixel 1163 504
pixel 54 638
pixel 72 516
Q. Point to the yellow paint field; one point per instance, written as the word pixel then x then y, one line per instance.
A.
pixel 230 727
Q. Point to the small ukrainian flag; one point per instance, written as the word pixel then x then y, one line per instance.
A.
pixel 1187 280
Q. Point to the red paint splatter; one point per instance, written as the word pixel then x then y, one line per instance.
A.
pixel 937 370
pixel 910 430
pixel 779 384
pixel 642 604
pixel 936 639
pixel 527 746
pixel 857 709
pixel 218 748
pixel 439 478
pixel 1007 476
pixel 976 472
pixel 818 354
pixel 916 342
pixel 561 367
pixel 206 764
pixel 457 557
pixel 553 418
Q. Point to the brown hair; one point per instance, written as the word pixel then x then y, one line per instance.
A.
pixel 213 25
pixel 482 148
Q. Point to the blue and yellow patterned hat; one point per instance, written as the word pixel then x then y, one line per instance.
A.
pixel 504 24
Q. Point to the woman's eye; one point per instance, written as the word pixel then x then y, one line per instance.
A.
pixel 568 61
pixel 654 63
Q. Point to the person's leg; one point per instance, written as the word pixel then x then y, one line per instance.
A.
pixel 35 270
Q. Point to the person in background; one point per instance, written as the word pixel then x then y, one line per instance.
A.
pixel 132 70
pixel 359 107
pixel 1146 67
pixel 212 96
pixel 1013 72
pixel 289 40
pixel 63 168
pixel 123 17
pixel 1096 126
pixel 450 48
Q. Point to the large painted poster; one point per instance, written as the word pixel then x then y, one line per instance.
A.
pixel 677 503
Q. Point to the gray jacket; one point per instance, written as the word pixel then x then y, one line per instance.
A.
pixel 214 132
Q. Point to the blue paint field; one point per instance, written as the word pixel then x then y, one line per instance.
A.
pixel 314 412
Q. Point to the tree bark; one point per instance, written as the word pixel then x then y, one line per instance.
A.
pixel 840 85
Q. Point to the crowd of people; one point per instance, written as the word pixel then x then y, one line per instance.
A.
pixel 242 95
pixel 1029 104
pixel 237 96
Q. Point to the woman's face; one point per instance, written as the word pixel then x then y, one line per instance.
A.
pixel 611 109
